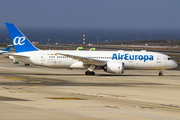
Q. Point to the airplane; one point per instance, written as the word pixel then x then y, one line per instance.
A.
pixel 7 49
pixel 110 61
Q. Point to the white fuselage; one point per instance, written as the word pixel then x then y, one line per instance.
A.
pixel 132 59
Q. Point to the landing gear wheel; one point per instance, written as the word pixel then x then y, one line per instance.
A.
pixel 160 74
pixel 26 64
pixel 90 73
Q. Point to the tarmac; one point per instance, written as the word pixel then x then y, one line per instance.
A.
pixel 40 93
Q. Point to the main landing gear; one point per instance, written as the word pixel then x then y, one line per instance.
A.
pixel 26 64
pixel 89 73
pixel 161 72
pixel 90 70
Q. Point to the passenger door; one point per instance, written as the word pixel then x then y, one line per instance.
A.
pixel 43 59
pixel 158 59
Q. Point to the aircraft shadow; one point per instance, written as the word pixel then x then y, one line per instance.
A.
pixel 15 74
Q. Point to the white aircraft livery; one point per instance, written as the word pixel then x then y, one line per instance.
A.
pixel 110 61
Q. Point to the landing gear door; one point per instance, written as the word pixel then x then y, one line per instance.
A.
pixel 43 57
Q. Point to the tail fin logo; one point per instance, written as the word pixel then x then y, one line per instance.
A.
pixel 19 40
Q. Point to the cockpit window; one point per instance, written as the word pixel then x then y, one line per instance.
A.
pixel 169 58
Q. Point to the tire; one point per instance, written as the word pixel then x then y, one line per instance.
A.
pixel 88 73
pixel 92 73
pixel 26 64
pixel 160 74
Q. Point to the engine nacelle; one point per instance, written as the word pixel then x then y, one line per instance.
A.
pixel 114 67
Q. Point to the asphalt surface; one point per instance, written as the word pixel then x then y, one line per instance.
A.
pixel 33 92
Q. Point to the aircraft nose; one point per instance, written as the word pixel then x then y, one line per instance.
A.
pixel 175 64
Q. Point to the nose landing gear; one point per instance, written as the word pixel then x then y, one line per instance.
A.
pixel 161 72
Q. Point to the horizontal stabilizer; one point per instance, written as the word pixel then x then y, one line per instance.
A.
pixel 15 56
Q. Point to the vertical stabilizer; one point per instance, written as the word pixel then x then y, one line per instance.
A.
pixel 20 42
pixel 8 48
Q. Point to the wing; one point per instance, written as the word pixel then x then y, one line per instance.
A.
pixel 85 60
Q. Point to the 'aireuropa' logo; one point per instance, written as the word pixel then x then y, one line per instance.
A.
pixel 19 40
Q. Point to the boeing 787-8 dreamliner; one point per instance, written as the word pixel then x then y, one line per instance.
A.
pixel 110 61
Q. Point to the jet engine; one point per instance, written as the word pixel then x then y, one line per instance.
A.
pixel 114 67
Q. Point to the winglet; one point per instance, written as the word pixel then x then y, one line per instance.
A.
pixel 79 48
pixel 20 42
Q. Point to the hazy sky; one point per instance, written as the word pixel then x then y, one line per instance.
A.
pixel 91 13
